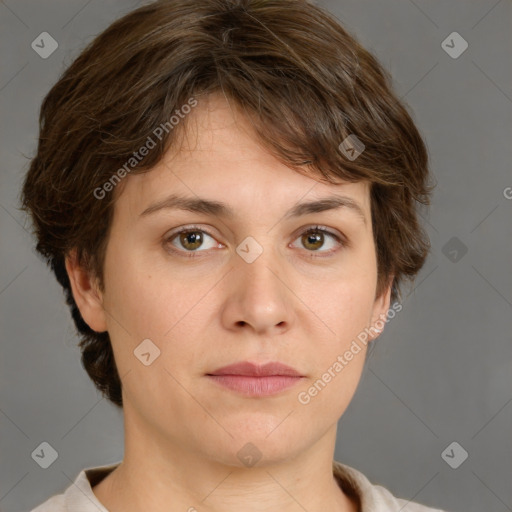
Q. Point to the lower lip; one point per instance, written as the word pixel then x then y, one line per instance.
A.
pixel 256 386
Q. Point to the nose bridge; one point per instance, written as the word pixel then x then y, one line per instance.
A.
pixel 258 269
pixel 259 294
pixel 261 274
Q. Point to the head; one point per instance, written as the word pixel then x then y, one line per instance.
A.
pixel 246 103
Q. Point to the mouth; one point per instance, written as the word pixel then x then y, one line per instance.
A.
pixel 256 380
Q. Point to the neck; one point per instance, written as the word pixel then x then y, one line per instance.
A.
pixel 155 474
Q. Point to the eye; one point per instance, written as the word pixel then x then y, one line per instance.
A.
pixel 190 239
pixel 315 238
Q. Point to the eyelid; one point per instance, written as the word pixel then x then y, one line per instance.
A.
pixel 185 229
pixel 318 227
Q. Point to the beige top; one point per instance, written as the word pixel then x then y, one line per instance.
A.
pixel 79 497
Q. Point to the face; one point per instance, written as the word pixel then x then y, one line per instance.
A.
pixel 248 280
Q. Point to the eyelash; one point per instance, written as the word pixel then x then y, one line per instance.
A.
pixel 314 229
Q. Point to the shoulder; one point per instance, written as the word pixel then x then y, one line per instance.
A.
pixel 79 495
pixel 389 502
pixel 372 497
pixel 56 503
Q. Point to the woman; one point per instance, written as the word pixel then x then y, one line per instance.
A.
pixel 227 192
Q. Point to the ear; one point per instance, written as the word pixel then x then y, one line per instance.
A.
pixel 380 311
pixel 86 293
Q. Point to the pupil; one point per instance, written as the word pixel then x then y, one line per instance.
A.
pixel 313 239
pixel 192 238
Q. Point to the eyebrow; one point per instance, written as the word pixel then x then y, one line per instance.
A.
pixel 220 209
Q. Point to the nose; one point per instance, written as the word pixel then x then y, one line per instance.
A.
pixel 258 299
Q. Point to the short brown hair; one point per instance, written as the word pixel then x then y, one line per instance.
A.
pixel 304 82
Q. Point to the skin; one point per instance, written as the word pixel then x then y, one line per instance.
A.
pixel 296 303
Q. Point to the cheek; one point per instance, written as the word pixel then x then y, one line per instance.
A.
pixel 130 301
pixel 150 302
pixel 344 302
pixel 347 314
pixel 338 356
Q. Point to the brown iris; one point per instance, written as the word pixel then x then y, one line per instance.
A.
pixel 191 239
pixel 313 239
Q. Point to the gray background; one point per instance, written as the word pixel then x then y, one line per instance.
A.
pixel 440 373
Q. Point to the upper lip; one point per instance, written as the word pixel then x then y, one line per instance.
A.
pixel 249 369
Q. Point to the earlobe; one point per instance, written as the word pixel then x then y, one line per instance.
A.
pixel 86 293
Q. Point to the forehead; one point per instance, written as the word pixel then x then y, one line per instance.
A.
pixel 217 155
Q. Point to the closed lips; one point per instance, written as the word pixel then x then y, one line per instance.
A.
pixel 249 369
